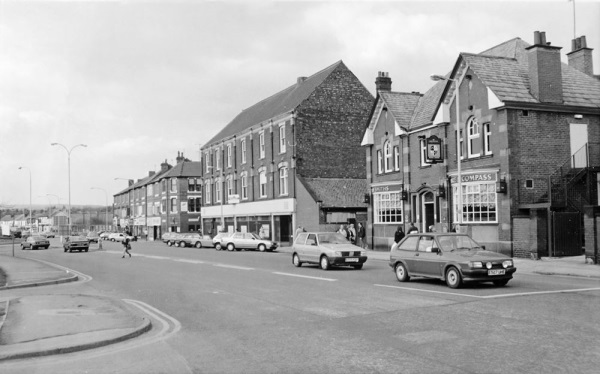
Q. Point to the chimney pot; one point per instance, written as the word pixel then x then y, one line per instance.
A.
pixel 580 57
pixel 383 82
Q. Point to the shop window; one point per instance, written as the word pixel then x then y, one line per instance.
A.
pixel 478 202
pixel 262 178
pixel 388 207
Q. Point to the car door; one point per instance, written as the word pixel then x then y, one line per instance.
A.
pixel 300 244
pixel 427 260
pixel 406 252
pixel 312 249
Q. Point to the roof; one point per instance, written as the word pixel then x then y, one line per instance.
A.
pixel 428 104
pixel 277 104
pixel 401 104
pixel 337 192
pixel 184 169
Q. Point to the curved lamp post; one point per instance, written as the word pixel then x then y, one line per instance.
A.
pixel 106 202
pixel 69 172
pixel 30 211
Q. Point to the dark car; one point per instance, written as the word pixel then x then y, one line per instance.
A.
pixel 76 243
pixel 35 242
pixel 451 257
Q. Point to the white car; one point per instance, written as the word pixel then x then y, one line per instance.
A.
pixel 119 237
pixel 326 249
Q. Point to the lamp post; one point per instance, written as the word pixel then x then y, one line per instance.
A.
pixel 106 202
pixel 30 211
pixel 69 173
pixel 436 77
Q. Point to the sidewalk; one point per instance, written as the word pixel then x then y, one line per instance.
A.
pixel 47 324
pixel 572 266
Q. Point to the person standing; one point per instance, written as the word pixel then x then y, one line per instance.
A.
pixel 412 229
pixel 126 247
pixel 360 235
pixel 352 233
pixel 398 236
pixel 343 231
pixel 299 230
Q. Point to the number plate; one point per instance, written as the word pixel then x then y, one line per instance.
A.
pixel 496 272
pixel 352 260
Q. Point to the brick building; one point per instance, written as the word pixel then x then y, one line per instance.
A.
pixel 529 134
pixel 264 172
pixel 164 201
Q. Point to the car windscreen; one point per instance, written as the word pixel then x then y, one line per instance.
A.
pixel 457 243
pixel 38 238
pixel 332 238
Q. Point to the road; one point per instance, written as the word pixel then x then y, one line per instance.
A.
pixel 252 312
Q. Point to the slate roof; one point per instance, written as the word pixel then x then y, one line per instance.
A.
pixel 428 104
pixel 279 103
pixel 401 104
pixel 337 192
pixel 184 169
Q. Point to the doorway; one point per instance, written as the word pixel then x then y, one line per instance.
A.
pixel 428 206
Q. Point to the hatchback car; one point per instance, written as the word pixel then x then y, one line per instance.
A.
pixel 35 242
pixel 92 237
pixel 451 257
pixel 76 243
pixel 247 240
pixel 326 249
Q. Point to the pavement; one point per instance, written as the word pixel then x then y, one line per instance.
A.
pixel 41 325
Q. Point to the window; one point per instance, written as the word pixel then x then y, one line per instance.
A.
pixel 194 204
pixel 397 161
pixel 173 205
pixel 410 244
pixel 218 191
pixel 478 202
pixel 474 143
pixel 388 207
pixel 173 184
pixel 207 161
pixel 243 151
pixel 283 181
pixel 462 146
pixel 387 148
pixel 487 137
pixel 218 160
pixel 282 145
pixel 262 144
pixel 191 185
pixel 423 145
pixel 379 162
pixel 262 178
pixel 163 206
pixel 207 192
pixel 149 190
pixel 163 186
pixel 229 187
pixel 229 155
pixel 244 187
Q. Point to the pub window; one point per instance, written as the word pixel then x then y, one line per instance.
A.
pixel 397 158
pixel 478 202
pixel 473 133
pixel 388 207
pixel 387 148
pixel 379 161
pixel 487 137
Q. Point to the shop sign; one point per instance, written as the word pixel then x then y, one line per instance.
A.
pixel 139 221
pixel 476 177
pixel 184 206
pixel 154 221
pixel 387 188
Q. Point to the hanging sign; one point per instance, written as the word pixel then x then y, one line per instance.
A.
pixel 434 150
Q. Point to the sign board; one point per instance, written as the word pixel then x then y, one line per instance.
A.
pixel 233 199
pixel 184 206
pixel 434 150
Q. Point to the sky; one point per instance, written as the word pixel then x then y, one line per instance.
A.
pixel 139 81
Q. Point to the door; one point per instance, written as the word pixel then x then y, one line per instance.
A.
pixel 428 211
pixel 427 262
pixel 311 249
pixel 567 230
pixel 579 140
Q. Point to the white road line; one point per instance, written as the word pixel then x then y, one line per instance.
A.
pixel 188 261
pixel 305 276
pixel 418 290
pixel 81 277
pixel 232 267
pixel 540 293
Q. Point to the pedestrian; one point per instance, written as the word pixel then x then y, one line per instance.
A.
pixel 398 236
pixel 126 247
pixel 432 228
pixel 412 229
pixel 299 230
pixel 360 235
pixel 352 233
pixel 343 231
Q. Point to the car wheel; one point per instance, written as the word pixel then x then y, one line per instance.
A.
pixel 324 262
pixel 198 245
pixel 401 273
pixel 358 267
pixel 296 260
pixel 47 247
pixel 453 278
pixel 112 240
pixel 86 250
pixel 262 247
pixel 230 247
pixel 70 251
pixel 501 283
pixel 218 246
pixel 182 244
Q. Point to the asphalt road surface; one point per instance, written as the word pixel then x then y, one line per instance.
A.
pixel 252 312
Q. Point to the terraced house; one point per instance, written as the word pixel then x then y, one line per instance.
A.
pixel 291 159
pixel 526 129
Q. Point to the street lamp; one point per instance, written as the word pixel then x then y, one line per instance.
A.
pixel 30 211
pixel 106 202
pixel 69 173
pixel 436 77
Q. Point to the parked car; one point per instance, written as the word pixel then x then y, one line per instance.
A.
pixel 92 237
pixel 170 238
pixel 247 240
pixel 35 242
pixel 75 243
pixel 195 239
pixel 452 257
pixel 119 237
pixel 49 234
pixel 327 249
pixel 217 240
pixel 104 235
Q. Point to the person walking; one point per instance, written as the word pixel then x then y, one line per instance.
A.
pixel 126 247
pixel 360 235
pixel 398 236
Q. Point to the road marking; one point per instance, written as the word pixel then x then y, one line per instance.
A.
pixel 419 290
pixel 81 277
pixel 540 293
pixel 305 276
pixel 188 261
pixel 232 267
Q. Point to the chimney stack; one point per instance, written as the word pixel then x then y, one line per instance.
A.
pixel 164 166
pixel 180 157
pixel 151 173
pixel 300 80
pixel 131 182
pixel 545 71
pixel 580 56
pixel 383 82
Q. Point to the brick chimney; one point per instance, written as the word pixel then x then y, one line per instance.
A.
pixel 151 173
pixel 383 82
pixel 545 72
pixel 164 166
pixel 180 157
pixel 580 56
pixel 131 182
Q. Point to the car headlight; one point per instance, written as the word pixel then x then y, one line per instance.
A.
pixel 507 264
pixel 475 264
